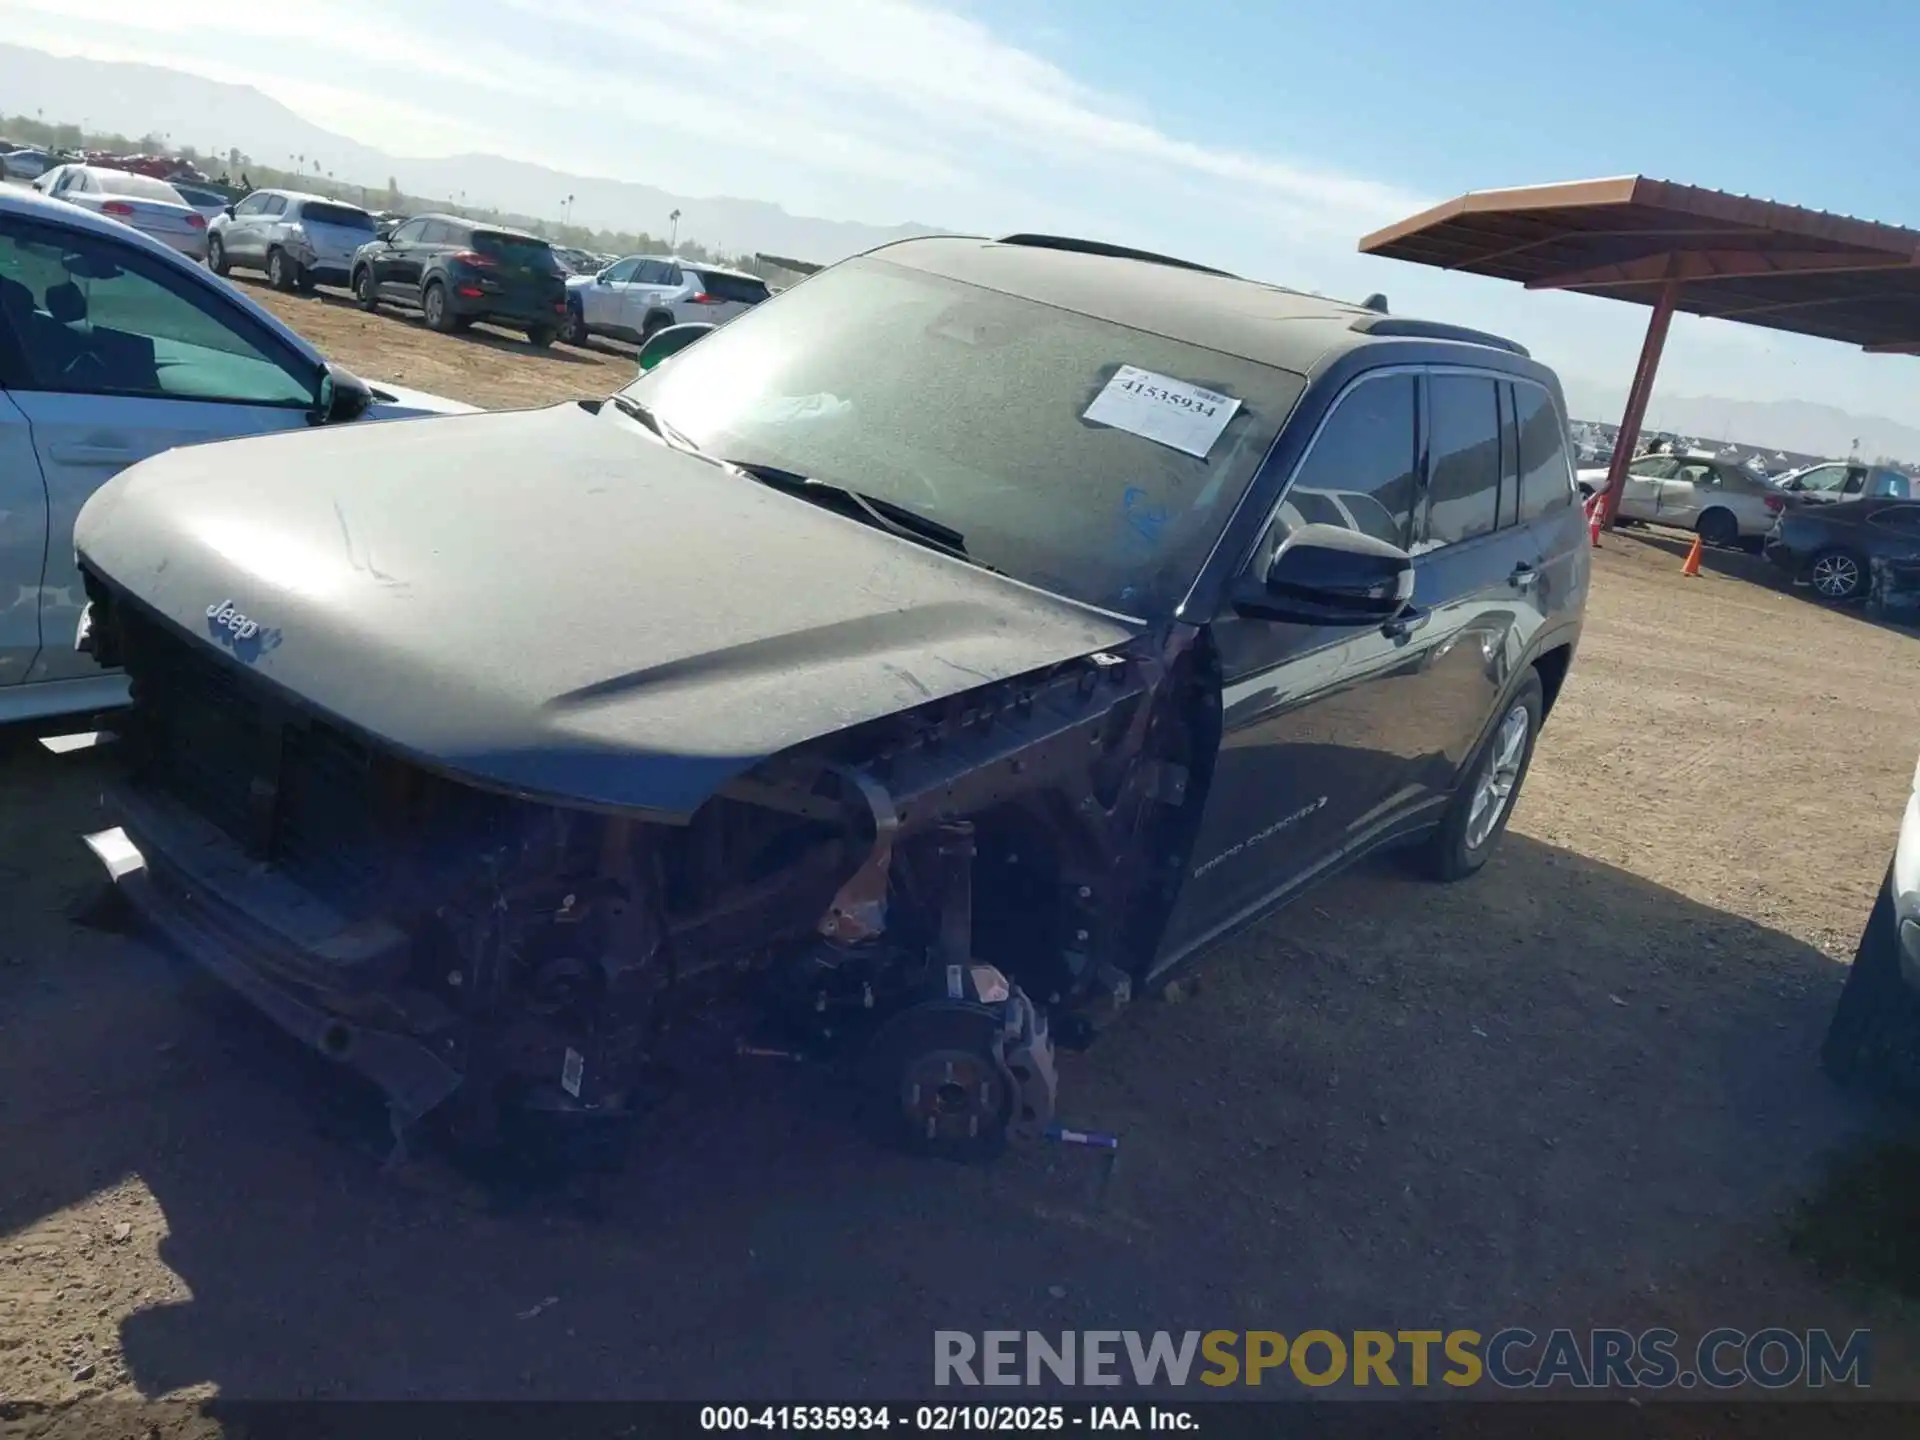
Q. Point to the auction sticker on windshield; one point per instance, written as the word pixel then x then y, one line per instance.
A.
pixel 1168 411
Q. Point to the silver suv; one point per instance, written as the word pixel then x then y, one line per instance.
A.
pixel 634 297
pixel 299 240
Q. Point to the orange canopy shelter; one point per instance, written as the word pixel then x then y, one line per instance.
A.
pixel 1679 247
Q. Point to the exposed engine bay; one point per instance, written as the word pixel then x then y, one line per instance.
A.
pixel 936 898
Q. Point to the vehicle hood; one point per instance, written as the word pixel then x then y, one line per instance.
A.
pixel 554 603
pixel 581 281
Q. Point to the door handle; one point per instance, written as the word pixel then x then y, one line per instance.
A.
pixel 93 454
pixel 1524 577
pixel 1406 622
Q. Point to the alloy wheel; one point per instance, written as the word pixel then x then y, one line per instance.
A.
pixel 1835 576
pixel 1502 772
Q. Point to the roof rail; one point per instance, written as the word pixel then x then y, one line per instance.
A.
pixel 1404 328
pixel 1100 247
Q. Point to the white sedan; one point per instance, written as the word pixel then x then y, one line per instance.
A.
pixel 114 347
pixel 150 206
pixel 1726 503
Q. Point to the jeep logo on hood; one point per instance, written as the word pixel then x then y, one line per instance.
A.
pixel 246 637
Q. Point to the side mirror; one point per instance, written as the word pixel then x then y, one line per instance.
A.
pixel 227 210
pixel 343 396
pixel 1329 575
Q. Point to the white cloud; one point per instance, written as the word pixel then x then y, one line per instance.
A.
pixel 880 110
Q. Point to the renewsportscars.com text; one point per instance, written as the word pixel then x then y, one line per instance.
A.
pixel 1513 1358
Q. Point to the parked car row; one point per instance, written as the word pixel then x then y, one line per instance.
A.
pixel 456 271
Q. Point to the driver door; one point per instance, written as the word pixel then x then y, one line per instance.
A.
pixel 1324 727
pixel 110 356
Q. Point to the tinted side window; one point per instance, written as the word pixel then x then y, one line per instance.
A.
pixel 96 318
pixel 1546 479
pixel 1360 473
pixel 1463 446
pixel 622 271
pixel 730 287
pixel 657 272
pixel 1509 459
pixel 435 232
pixel 409 233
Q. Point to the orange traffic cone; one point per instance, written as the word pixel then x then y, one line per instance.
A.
pixel 1692 567
pixel 1593 521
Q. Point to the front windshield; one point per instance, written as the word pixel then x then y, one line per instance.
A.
pixel 969 406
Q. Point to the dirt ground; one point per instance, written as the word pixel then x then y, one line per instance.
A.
pixel 1578 1090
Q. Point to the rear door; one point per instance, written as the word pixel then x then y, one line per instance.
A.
pixel 652 282
pixel 1685 493
pixel 1640 492
pixel 120 356
pixel 1475 572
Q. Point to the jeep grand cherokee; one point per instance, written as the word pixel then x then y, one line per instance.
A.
pixel 920 666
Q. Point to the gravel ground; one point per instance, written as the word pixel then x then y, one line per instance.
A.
pixel 1578 1090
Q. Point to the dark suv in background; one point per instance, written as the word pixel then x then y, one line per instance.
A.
pixel 458 271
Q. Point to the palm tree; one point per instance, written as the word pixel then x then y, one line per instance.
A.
pixel 673 234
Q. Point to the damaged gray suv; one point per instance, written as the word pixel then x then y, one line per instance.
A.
pixel 922 666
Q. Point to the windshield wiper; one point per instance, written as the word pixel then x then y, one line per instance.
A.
pixel 882 514
pixel 634 410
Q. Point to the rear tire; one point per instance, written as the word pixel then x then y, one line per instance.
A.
pixel 365 289
pixel 541 336
pixel 282 273
pixel 576 332
pixel 1718 527
pixel 652 325
pixel 1838 576
pixel 433 303
pixel 217 256
pixel 1467 835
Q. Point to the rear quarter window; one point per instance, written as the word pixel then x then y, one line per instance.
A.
pixel 1546 477
pixel 345 216
pixel 525 250
pixel 737 288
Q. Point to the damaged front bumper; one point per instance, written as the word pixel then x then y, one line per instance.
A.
pixel 315 973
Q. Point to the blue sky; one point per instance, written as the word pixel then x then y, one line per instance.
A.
pixel 1264 137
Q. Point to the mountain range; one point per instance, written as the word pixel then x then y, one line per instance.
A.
pixel 1796 425
pixel 133 99
pixel 136 99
